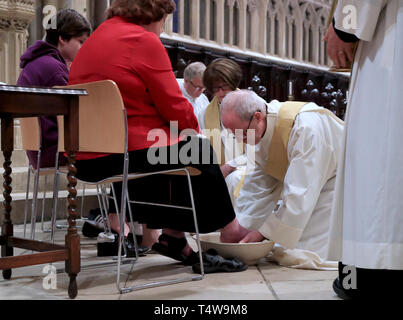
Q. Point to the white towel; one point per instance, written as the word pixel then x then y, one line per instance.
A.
pixel 300 259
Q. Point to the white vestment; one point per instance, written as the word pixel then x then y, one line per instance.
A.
pixel 296 213
pixel 367 218
pixel 199 104
pixel 233 157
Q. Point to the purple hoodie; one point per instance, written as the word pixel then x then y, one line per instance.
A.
pixel 44 66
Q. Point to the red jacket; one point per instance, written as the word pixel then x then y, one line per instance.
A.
pixel 139 64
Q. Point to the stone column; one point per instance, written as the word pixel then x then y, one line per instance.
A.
pixel 100 7
pixel 82 6
pixel 15 17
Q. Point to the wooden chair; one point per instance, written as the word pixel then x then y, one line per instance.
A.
pixel 103 128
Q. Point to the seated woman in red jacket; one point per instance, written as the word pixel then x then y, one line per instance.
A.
pixel 126 49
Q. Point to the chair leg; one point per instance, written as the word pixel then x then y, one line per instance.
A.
pixel 174 281
pixel 82 204
pixel 43 206
pixel 54 206
pixel 26 200
pixel 196 227
pixel 34 203
pixel 121 219
pixel 105 209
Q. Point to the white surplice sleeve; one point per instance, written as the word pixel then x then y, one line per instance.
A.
pixel 366 18
pixel 257 198
pixel 311 160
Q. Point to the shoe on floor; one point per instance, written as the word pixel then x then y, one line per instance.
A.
pixel 108 244
pixel 174 248
pixel 338 289
pixel 94 225
pixel 91 230
pixel 213 263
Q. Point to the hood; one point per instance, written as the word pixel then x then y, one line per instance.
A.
pixel 38 49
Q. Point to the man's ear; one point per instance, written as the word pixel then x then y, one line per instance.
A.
pixel 259 115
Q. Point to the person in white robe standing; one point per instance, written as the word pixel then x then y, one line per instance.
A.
pixel 192 88
pixel 290 206
pixel 366 233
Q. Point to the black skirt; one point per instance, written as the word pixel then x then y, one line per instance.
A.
pixel 211 197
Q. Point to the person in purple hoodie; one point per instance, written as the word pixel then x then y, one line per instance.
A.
pixel 46 64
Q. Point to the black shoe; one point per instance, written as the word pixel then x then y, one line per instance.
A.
pixel 94 225
pixel 93 214
pixel 111 248
pixel 338 289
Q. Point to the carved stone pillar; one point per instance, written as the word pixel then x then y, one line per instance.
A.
pixel 98 12
pixel 15 17
pixel 82 6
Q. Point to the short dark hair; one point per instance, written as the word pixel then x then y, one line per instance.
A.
pixel 222 69
pixel 69 24
pixel 141 12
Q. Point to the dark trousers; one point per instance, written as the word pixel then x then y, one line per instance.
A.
pixel 212 201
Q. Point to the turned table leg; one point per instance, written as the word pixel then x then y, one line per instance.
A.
pixel 7 227
pixel 72 238
pixel 7 145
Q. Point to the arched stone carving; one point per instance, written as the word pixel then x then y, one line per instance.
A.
pixel 15 16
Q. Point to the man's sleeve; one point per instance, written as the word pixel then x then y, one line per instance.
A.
pixel 311 158
pixel 358 17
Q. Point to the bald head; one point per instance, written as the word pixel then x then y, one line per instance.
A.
pixel 244 103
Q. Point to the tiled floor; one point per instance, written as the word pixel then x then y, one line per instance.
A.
pixel 265 281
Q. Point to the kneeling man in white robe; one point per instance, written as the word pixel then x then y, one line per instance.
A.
pixel 287 194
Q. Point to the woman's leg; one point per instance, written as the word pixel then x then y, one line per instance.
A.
pixel 150 236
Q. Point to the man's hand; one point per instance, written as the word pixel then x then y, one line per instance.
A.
pixel 339 51
pixel 226 169
pixel 253 236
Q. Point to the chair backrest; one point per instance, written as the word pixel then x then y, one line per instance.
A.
pixel 30 133
pixel 101 118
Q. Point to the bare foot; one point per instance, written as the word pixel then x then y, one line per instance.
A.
pixel 150 236
pixel 233 232
pixel 115 226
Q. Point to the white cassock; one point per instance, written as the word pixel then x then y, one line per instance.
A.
pixel 296 213
pixel 233 156
pixel 367 218
pixel 199 104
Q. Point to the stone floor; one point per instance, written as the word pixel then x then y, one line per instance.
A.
pixel 265 281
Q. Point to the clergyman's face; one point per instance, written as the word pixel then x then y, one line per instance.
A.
pixel 248 131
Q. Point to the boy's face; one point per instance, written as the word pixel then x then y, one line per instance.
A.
pixel 70 48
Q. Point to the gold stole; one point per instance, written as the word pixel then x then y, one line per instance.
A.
pixel 212 123
pixel 277 163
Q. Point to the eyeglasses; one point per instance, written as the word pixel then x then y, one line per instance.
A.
pixel 237 132
pixel 224 87
pixel 196 87
pixel 245 132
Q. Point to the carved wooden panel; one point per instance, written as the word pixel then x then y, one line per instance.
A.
pixel 270 80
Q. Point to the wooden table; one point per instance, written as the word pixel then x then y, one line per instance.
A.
pixel 20 102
